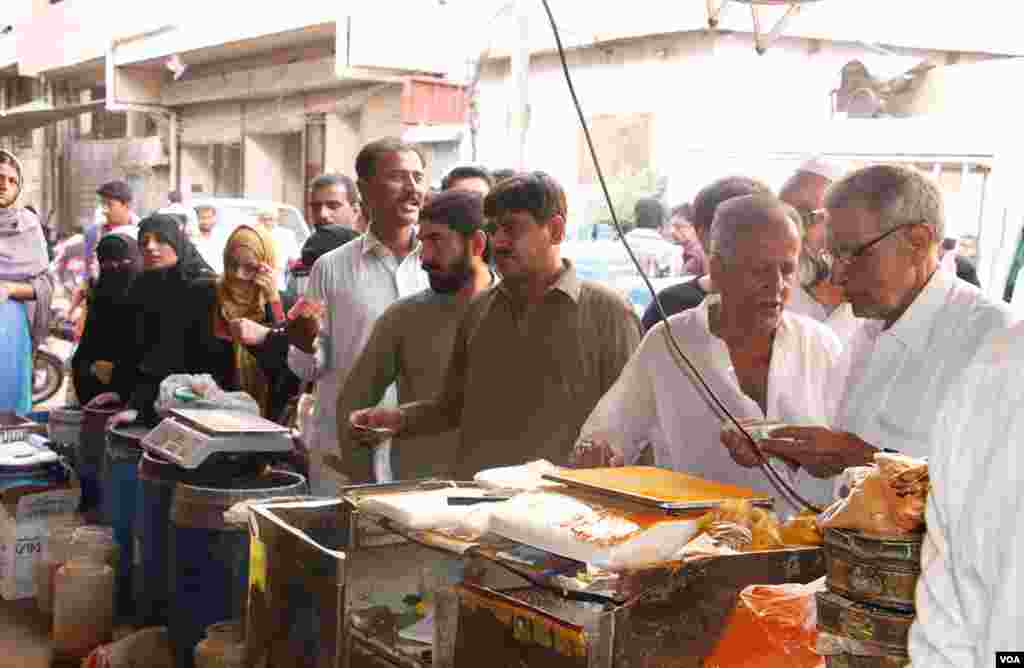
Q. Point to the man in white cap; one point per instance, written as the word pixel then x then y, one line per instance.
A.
pixel 817 297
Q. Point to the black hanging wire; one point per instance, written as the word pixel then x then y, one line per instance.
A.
pixel 777 481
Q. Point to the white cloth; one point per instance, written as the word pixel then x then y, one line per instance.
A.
pixel 654 400
pixel 656 255
pixel 211 248
pixel 287 249
pixel 969 595
pixel 356 283
pixel 899 377
pixel 841 320
pixel 191 218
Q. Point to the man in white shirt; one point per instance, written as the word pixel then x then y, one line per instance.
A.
pixel 969 594
pixel 176 207
pixel 762 361
pixel 286 247
pixel 817 296
pixel 656 254
pixel 211 239
pixel 358 281
pixel 886 225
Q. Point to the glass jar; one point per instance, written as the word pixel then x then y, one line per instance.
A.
pixel 223 647
pixel 96 543
pixel 83 607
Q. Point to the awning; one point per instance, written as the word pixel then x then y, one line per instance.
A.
pixel 27 117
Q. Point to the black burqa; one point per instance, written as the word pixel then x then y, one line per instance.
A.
pixel 169 315
pixel 106 336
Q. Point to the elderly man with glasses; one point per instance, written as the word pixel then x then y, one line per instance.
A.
pixel 817 296
pixel 886 223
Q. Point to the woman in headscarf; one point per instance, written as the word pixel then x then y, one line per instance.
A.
pixel 25 290
pixel 105 336
pixel 169 314
pixel 248 291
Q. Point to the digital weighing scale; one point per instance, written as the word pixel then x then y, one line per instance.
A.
pixel 189 437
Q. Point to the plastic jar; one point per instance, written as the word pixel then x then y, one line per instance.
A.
pixel 83 607
pixel 94 543
pixel 60 531
pixel 223 647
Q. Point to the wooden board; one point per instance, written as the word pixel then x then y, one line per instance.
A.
pixel 657 486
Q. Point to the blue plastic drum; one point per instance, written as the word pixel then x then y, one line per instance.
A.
pixel 120 494
pixel 211 558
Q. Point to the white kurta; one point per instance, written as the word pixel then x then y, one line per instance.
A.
pixel 899 377
pixel 356 283
pixel 841 320
pixel 969 596
pixel 654 397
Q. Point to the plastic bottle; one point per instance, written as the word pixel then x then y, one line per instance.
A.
pixel 83 614
pixel 60 531
pixel 223 647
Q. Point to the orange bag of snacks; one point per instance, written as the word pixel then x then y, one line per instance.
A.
pixel 773 626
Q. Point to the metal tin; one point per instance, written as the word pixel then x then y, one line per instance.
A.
pixel 884 628
pixel 877 571
pixel 852 661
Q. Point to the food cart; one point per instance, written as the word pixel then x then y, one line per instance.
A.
pixel 345 571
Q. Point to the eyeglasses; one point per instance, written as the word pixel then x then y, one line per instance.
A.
pixel 846 258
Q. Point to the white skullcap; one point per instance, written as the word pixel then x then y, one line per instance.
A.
pixel 826 169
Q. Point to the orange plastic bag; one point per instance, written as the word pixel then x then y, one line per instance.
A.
pixel 773 626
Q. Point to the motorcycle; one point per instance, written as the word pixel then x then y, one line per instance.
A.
pixel 49 369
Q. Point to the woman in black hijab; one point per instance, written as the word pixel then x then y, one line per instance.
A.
pixel 168 298
pixel 105 336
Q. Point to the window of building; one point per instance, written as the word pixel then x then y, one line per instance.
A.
pixel 19 91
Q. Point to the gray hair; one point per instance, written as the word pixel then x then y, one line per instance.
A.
pixel 898 195
pixel 735 216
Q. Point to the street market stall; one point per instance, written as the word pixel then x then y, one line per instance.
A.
pixel 387 576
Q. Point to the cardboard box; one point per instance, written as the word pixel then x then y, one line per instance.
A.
pixel 25 507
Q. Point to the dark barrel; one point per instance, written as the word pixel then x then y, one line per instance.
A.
pixel 120 494
pixel 211 558
pixel 89 460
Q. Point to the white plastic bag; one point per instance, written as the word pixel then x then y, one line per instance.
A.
pixel 201 391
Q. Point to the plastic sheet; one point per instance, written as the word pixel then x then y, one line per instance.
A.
pixel 177 390
pixel 887 500
pixel 771 627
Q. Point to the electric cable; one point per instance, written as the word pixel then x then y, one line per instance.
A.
pixel 777 481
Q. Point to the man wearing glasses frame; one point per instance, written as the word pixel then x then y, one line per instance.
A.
pixel 817 296
pixel 886 223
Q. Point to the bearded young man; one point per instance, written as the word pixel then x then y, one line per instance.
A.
pixel 412 342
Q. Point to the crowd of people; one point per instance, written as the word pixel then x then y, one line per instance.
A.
pixel 454 337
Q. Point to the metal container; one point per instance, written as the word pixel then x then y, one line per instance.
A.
pixel 877 571
pixel 885 630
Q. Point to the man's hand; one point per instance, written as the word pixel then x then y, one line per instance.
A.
pixel 105 399
pixel 103 370
pixel 595 452
pixel 371 426
pixel 823 452
pixel 247 332
pixel 740 448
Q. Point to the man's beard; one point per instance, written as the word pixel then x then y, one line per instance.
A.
pixel 451 281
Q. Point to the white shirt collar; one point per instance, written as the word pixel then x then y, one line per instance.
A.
pixel 913 329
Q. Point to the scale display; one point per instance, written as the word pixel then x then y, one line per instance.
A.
pixel 188 437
